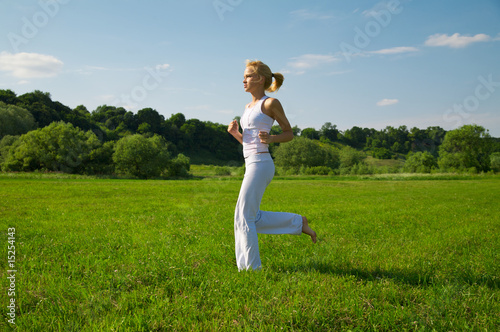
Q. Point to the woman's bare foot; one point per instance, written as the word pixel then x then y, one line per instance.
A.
pixel 308 230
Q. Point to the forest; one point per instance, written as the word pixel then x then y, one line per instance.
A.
pixel 39 134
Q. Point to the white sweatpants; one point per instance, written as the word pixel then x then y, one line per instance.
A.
pixel 249 220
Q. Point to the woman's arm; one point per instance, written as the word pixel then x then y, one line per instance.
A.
pixel 233 129
pixel 273 108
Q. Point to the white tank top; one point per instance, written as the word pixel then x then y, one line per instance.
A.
pixel 253 121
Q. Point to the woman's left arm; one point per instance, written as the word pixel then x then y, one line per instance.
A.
pixel 273 108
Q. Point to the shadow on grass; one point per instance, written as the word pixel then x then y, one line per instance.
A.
pixel 401 276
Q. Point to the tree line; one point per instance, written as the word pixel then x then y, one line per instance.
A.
pixel 38 133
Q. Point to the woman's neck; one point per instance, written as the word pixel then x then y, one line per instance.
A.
pixel 256 96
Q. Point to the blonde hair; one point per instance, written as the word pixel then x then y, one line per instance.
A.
pixel 263 70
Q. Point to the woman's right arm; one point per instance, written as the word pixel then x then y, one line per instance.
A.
pixel 233 129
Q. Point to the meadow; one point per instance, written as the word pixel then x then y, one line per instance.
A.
pixel 393 254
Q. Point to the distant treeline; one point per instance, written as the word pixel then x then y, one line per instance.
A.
pixel 111 139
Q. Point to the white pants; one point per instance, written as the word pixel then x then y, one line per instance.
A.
pixel 249 220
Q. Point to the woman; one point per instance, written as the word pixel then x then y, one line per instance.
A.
pixel 256 124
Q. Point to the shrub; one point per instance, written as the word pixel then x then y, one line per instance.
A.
pixel 15 120
pixel 59 147
pixel 5 144
pixel 222 171
pixel 420 162
pixel 466 148
pixel 179 166
pixel 303 152
pixel 382 153
pixel 495 161
pixel 141 157
pixel 316 170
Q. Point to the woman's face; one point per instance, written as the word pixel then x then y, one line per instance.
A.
pixel 251 80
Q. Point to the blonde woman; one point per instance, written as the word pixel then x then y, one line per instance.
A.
pixel 256 124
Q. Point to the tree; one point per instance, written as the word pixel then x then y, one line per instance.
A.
pixel 100 159
pixel 310 133
pixel 304 152
pixel 5 145
pixel 350 157
pixel 179 166
pixel 466 148
pixel 15 120
pixel 193 133
pixel 329 132
pixel 396 138
pixel 59 147
pixel 420 162
pixel 382 153
pixel 152 118
pixel 8 97
pixel 142 157
pixel 495 161
pixel 177 120
pixel 355 137
pixel 40 105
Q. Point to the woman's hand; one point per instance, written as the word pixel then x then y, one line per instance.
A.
pixel 265 137
pixel 234 129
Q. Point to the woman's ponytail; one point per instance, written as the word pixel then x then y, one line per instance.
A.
pixel 278 82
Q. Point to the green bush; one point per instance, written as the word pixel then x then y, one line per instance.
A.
pixel 362 169
pixel 222 171
pixel 100 160
pixel 466 149
pixel 5 144
pixel 420 162
pixel 15 120
pixel 141 157
pixel 316 170
pixel 382 153
pixel 303 153
pixel 495 161
pixel 59 147
pixel 179 166
pixel 350 157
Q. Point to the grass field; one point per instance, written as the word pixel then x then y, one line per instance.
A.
pixel 402 254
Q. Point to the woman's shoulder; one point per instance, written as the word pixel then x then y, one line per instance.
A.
pixel 271 107
pixel 270 102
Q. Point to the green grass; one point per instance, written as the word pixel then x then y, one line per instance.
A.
pixel 391 163
pixel 130 255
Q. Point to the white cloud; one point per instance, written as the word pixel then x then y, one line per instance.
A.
pixel 396 50
pixel 308 61
pixel 456 40
pixel 387 102
pixel 30 65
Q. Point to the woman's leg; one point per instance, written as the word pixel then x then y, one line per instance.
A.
pixel 308 230
pixel 283 223
pixel 258 173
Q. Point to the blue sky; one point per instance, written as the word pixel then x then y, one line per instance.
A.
pixel 371 64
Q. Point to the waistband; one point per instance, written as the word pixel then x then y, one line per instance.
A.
pixel 257 157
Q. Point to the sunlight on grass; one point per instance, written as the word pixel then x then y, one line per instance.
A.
pixel 159 255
